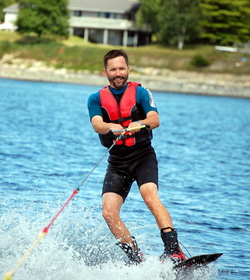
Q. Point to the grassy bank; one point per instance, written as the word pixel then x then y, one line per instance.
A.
pixel 76 55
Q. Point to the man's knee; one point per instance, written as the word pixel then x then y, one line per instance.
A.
pixel 110 212
pixel 107 213
pixel 111 206
pixel 150 195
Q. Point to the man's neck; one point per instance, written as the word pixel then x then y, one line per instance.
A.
pixel 118 90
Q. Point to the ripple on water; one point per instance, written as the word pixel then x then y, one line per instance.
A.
pixel 47 149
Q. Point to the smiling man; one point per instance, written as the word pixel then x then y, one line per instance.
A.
pixel 117 71
pixel 121 105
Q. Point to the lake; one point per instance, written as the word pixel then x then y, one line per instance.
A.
pixel 48 147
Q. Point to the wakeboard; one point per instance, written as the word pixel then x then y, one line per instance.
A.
pixel 200 260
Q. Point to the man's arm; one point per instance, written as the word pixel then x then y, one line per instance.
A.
pixel 152 119
pixel 96 119
pixel 103 127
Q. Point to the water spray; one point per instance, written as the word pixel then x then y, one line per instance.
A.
pixel 10 274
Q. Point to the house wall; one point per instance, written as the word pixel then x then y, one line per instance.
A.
pixel 101 27
pixel 10 17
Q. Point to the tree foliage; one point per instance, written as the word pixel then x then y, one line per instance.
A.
pixel 46 18
pixel 148 13
pixel 4 4
pixel 225 21
pixel 172 21
pixel 179 22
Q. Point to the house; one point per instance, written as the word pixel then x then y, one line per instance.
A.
pixel 8 26
pixel 9 18
pixel 103 22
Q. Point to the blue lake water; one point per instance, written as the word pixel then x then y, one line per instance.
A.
pixel 48 147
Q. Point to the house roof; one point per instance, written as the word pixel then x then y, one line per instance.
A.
pixel 115 6
pixel 111 6
pixel 11 9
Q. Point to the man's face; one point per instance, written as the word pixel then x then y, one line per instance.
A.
pixel 117 72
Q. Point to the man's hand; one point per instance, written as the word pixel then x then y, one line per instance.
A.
pixel 103 128
pixel 115 126
pixel 132 125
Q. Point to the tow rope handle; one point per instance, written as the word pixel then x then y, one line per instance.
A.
pixel 147 126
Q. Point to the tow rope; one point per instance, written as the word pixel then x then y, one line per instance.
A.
pixel 10 274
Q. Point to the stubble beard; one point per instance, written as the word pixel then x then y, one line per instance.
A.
pixel 118 84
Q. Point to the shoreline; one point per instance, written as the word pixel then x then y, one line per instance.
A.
pixel 227 85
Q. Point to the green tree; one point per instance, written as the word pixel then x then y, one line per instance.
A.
pixel 4 4
pixel 46 18
pixel 225 21
pixel 148 13
pixel 179 22
pixel 172 21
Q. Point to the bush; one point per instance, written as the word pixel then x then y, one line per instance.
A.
pixel 5 46
pixel 200 61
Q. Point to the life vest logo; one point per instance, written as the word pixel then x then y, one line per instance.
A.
pixel 151 98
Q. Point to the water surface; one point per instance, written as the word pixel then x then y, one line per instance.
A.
pixel 48 147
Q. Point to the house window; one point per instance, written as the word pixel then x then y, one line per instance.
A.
pixel 90 14
pixel 110 15
pixel 117 16
pixel 101 15
pixel 78 14
pixel 113 15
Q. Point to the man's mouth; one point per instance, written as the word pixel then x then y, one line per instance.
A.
pixel 118 78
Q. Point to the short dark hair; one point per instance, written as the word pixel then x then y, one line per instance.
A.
pixel 113 54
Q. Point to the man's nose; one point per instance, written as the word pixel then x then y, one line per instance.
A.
pixel 118 72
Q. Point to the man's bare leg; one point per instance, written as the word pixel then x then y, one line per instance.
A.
pixel 169 235
pixel 150 195
pixel 111 206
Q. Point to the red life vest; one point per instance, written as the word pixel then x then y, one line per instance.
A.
pixel 120 113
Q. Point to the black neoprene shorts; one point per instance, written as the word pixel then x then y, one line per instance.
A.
pixel 123 171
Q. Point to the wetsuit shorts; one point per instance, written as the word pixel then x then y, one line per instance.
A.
pixel 123 171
